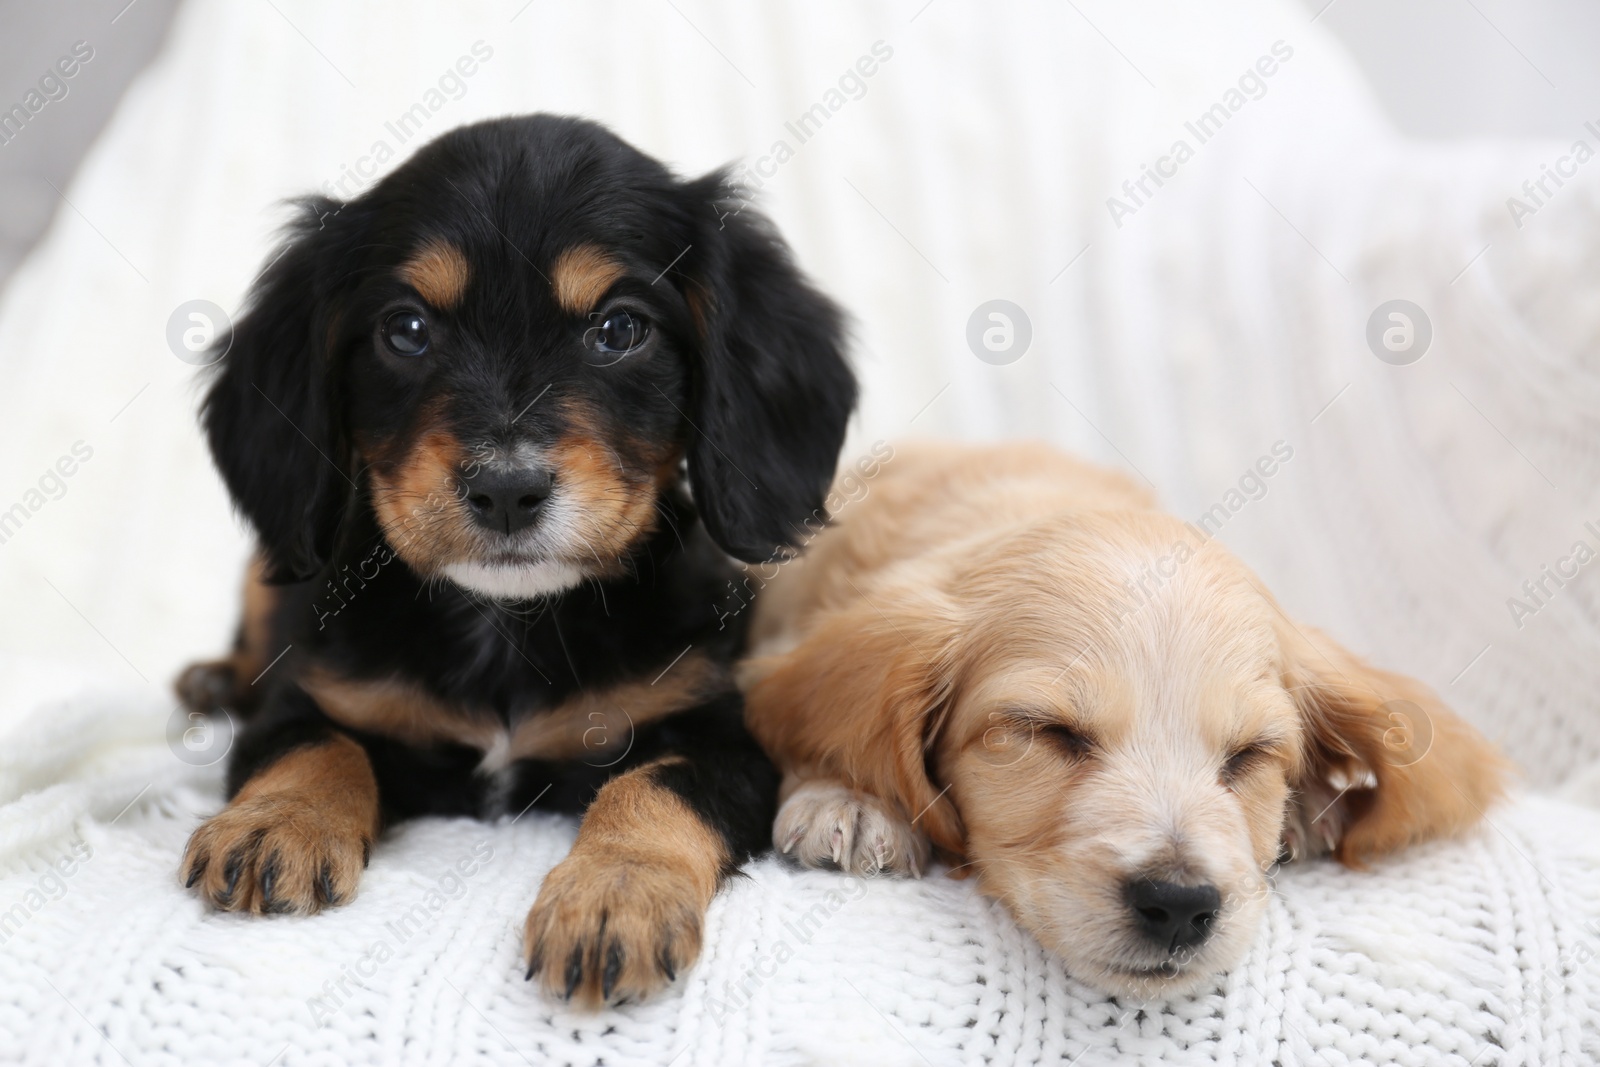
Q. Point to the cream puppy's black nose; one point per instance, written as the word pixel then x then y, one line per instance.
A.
pixel 1173 916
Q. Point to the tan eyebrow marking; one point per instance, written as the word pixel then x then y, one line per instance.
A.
pixel 581 276
pixel 439 272
pixel 699 308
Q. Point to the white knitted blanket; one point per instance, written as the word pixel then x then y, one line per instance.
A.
pixel 1180 334
pixel 1485 951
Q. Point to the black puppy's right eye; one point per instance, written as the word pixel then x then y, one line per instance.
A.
pixel 406 333
pixel 620 333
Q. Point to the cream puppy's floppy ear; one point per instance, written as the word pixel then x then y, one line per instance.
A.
pixel 1385 762
pixel 862 698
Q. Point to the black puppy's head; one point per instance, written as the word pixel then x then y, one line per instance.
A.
pixel 507 350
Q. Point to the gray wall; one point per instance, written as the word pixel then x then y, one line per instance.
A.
pixel 1461 68
pixel 33 35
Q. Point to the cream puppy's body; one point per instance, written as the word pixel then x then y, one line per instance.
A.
pixel 1013 658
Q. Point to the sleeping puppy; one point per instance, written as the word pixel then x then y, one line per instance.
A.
pixel 463 414
pixel 1013 657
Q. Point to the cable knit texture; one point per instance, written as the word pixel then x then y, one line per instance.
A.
pixel 1181 340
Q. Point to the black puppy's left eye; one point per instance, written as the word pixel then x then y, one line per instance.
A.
pixel 621 331
pixel 406 333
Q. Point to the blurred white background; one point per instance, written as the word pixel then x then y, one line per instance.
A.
pixel 1221 313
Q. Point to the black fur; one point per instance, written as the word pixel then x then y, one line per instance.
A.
pixel 272 414
pixel 770 401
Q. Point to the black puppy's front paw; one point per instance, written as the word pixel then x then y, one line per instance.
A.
pixel 274 854
pixel 296 836
pixel 611 928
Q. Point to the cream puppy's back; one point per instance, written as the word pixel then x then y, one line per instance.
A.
pixel 926 501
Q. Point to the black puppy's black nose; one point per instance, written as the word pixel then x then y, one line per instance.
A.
pixel 1174 916
pixel 507 501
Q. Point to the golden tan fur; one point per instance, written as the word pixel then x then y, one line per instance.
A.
pixel 601 503
pixel 610 504
pixel 439 273
pixel 418 501
pixel 699 307
pixel 404 711
pixel 595 725
pixel 581 276
pixel 1064 690
pixel 295 838
pixel 629 897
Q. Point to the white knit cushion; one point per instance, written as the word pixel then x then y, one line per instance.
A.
pixel 1481 951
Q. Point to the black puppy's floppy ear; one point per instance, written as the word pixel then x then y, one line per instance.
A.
pixel 271 414
pixel 772 391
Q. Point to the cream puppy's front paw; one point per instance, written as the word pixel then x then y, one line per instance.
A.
pixel 825 824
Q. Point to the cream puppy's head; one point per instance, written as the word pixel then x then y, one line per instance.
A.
pixel 1108 719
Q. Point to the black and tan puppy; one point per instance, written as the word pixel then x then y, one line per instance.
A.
pixel 498 424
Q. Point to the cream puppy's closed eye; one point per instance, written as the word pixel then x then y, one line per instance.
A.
pixel 1095 708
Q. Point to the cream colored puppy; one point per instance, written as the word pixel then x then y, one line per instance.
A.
pixel 1012 657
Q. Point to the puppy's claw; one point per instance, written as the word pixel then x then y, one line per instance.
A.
pixel 231 875
pixel 325 891
pixel 664 961
pixel 574 971
pixel 535 962
pixel 613 971
pixel 268 876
